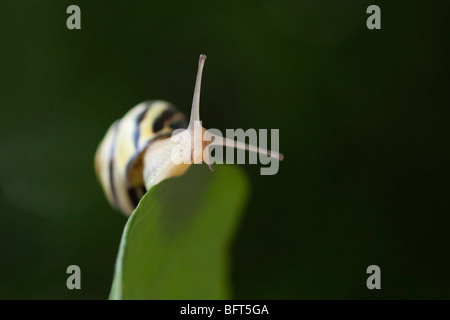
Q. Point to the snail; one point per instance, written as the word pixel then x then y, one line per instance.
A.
pixel 137 150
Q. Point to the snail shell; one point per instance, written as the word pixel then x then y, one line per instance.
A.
pixel 119 157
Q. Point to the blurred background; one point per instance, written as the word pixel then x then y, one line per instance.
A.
pixel 364 127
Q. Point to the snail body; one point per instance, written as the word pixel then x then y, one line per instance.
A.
pixel 137 150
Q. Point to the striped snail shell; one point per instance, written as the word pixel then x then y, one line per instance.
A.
pixel 119 157
pixel 135 153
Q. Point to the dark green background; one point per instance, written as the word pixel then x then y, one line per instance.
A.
pixel 363 118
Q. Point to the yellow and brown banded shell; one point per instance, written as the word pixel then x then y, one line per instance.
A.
pixel 118 160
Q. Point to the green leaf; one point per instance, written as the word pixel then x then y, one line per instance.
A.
pixel 176 243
